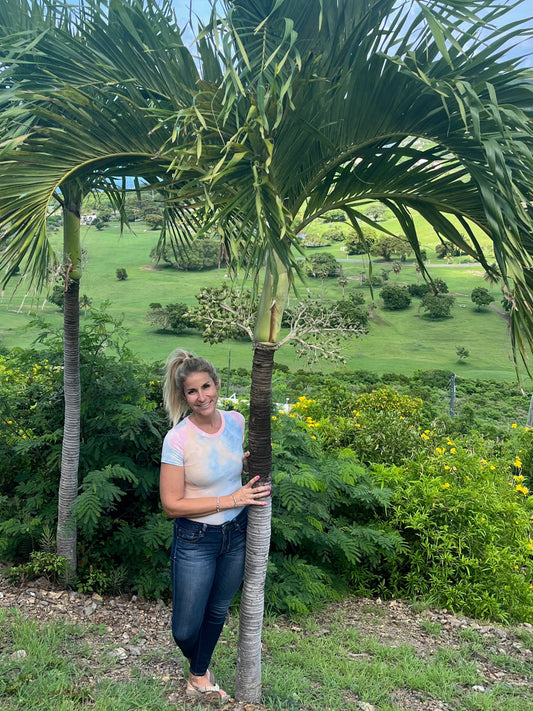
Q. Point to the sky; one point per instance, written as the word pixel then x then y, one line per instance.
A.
pixel 201 8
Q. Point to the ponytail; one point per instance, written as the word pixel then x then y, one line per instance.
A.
pixel 180 364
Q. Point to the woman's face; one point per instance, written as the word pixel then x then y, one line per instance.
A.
pixel 201 394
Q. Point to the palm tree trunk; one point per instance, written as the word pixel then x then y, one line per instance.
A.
pixel 248 677
pixel 66 538
pixel 68 483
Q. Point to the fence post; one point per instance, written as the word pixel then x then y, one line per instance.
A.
pixel 452 395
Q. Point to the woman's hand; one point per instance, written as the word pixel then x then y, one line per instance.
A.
pixel 248 496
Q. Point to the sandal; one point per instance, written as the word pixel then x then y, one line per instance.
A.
pixel 208 672
pixel 199 691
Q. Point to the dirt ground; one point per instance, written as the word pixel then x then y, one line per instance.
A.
pixel 137 633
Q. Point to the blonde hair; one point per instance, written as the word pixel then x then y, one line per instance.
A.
pixel 180 364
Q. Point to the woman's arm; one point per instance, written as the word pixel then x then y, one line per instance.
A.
pixel 175 505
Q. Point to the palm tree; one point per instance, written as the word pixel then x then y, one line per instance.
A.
pixel 322 106
pixel 66 133
pixel 297 108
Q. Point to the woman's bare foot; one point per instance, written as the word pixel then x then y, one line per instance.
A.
pixel 204 685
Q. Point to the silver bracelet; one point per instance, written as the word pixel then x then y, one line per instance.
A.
pixel 234 499
pixel 218 504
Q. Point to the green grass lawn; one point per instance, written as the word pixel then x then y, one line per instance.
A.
pixel 352 655
pixel 400 342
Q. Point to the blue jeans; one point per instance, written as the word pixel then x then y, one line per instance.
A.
pixel 207 565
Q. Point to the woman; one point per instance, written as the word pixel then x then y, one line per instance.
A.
pixel 201 488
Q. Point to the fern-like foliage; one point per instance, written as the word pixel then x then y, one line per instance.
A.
pixel 326 517
pixel 99 495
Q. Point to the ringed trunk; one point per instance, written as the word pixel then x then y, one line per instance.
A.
pixel 248 677
pixel 66 538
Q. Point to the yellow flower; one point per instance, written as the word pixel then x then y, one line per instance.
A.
pixel 514 426
pixel 492 467
pixel 274 417
pixel 446 467
pixel 439 450
pixel 453 450
pixel 522 489
pixel 517 462
pixel 445 486
pixel 313 436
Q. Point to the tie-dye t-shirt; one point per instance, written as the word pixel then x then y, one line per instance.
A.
pixel 213 462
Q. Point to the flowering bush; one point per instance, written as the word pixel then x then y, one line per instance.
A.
pixel 381 426
pixel 467 518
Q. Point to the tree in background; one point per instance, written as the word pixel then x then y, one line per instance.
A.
pixel 200 253
pixel 481 297
pixel 323 265
pixel 172 317
pixel 462 353
pixel 389 245
pixel 362 240
pixel 437 306
pixel 395 297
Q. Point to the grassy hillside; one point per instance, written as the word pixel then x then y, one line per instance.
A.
pixel 398 342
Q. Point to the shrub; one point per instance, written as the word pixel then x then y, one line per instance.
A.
pixel 380 426
pixel 466 520
pixel 323 265
pixel 418 290
pixel 395 297
pixel 122 274
pixel 438 286
pixel 171 317
pixel 119 515
pixel 438 305
pixel 351 314
pixel 361 242
pixel 481 297
pixel 324 516
pixel 201 253
pixel 153 220
pixel 57 296
pixel 334 216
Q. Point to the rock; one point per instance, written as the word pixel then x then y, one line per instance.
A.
pixel 120 653
pixel 479 689
pixel 19 654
